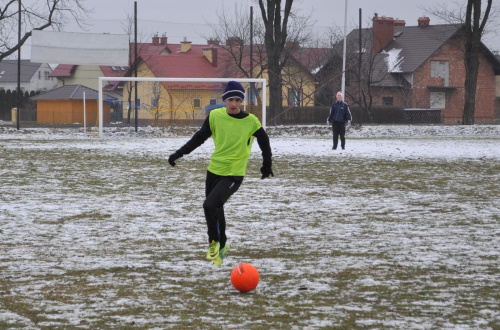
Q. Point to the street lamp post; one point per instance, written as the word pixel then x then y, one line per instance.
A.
pixel 344 53
pixel 18 66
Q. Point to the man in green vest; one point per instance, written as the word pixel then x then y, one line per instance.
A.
pixel 233 132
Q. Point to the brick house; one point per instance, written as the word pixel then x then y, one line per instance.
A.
pixel 419 67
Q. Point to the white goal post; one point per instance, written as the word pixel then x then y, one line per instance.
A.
pixel 161 96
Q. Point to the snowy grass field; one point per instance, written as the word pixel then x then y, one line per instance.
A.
pixel 399 231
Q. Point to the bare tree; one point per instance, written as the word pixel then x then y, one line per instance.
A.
pixel 232 33
pixel 474 27
pixel 274 38
pixel 37 15
pixel 128 28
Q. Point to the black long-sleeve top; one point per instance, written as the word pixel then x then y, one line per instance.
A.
pixel 205 132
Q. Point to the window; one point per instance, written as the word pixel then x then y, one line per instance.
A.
pixel 294 97
pixel 440 69
pixel 39 75
pixel 387 100
pixel 197 103
pixel 46 75
pixel 438 100
pixel 213 101
pixel 154 102
pixel 122 68
pixel 113 68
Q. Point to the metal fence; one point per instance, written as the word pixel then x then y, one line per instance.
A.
pixel 377 115
pixel 290 116
pixel 422 116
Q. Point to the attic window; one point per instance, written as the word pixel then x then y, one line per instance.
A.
pixel 397 34
pixel 113 68
pixel 122 68
pixel 197 103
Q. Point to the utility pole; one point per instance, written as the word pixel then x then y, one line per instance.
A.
pixel 359 68
pixel 18 67
pixel 344 53
pixel 251 41
pixel 136 102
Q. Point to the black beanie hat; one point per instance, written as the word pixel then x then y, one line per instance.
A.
pixel 233 89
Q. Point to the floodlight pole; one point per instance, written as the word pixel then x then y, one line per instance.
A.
pixel 344 53
pixel 251 41
pixel 359 68
pixel 135 65
pixel 18 67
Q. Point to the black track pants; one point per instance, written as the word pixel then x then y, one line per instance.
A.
pixel 218 189
pixel 338 129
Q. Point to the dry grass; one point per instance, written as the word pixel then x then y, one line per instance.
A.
pixel 96 238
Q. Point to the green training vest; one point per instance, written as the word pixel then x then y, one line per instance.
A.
pixel 233 140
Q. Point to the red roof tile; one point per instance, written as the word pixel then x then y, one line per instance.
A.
pixel 63 70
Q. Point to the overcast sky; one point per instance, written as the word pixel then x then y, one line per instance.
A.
pixel 188 18
pixel 191 19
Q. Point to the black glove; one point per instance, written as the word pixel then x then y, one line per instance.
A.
pixel 266 171
pixel 173 157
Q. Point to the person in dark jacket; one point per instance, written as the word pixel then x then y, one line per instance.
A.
pixel 339 116
pixel 233 132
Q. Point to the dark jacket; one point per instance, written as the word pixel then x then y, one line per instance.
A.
pixel 339 112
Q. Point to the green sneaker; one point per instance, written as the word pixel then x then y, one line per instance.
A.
pixel 218 261
pixel 213 250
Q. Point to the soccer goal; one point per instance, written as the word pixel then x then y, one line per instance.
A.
pixel 171 102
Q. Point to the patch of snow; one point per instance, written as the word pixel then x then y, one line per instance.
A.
pixel 393 60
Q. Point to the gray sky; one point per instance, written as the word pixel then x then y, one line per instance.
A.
pixel 187 18
pixel 190 19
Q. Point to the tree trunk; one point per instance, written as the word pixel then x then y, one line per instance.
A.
pixel 474 28
pixel 275 90
pixel 275 37
pixel 472 69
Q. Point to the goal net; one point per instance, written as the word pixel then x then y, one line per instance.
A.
pixel 171 102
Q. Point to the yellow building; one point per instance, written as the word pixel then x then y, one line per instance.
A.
pixel 185 103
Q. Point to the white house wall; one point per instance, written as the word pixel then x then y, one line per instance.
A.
pixel 38 81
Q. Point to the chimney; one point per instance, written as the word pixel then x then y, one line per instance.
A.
pixel 234 42
pixel 383 32
pixel 156 39
pixel 423 21
pixel 399 22
pixel 213 42
pixel 211 54
pixel 163 40
pixel 185 46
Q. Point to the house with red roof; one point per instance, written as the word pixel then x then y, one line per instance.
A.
pixel 160 102
pixel 168 102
